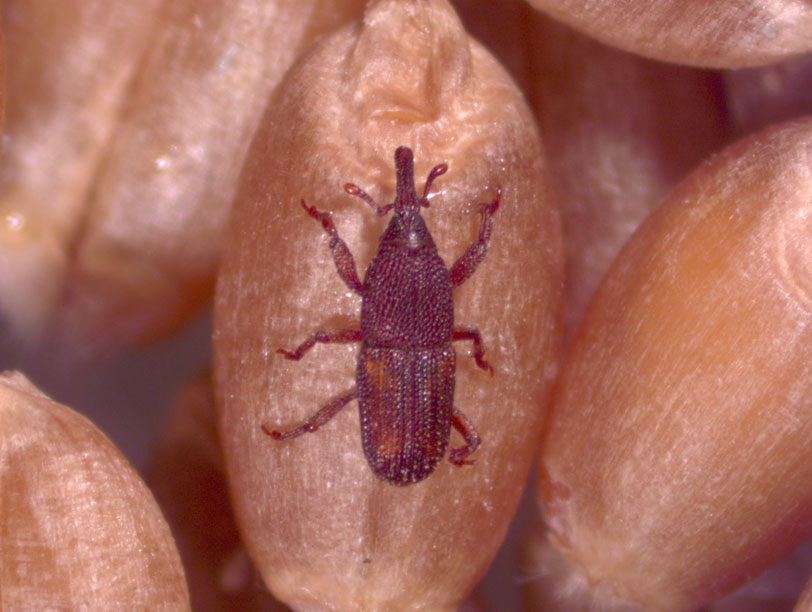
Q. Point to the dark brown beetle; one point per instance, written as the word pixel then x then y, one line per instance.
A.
pixel 406 366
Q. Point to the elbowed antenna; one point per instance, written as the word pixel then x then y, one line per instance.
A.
pixel 435 172
pixel 355 190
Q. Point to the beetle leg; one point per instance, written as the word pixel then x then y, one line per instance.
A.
pixel 457 456
pixel 345 264
pixel 463 332
pixel 326 336
pixel 316 421
pixel 468 262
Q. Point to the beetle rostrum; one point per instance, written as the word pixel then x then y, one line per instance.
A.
pixel 406 367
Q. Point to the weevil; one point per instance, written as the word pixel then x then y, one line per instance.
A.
pixel 406 367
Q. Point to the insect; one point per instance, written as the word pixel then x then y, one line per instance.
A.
pixel 406 366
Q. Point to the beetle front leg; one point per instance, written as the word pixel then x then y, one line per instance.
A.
pixel 326 336
pixel 467 264
pixel 345 264
pixel 316 421
pixel 462 332
pixel 458 456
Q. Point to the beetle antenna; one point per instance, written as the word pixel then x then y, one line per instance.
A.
pixel 358 192
pixel 438 170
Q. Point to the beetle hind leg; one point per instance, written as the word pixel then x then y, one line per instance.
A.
pixel 459 456
pixel 316 421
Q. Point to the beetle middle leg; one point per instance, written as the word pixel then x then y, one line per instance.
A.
pixel 465 266
pixel 458 456
pixel 317 420
pixel 462 332
pixel 326 336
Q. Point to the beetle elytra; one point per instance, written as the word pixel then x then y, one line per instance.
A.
pixel 406 367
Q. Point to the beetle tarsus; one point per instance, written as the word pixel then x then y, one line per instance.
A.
pixel 487 210
pixel 274 433
pixel 325 218
pixel 459 456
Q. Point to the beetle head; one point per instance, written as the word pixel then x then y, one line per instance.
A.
pixel 407 228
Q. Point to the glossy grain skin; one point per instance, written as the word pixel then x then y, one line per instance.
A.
pixel 406 367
